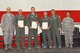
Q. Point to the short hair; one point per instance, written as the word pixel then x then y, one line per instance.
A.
pixel 68 11
pixel 20 9
pixel 32 7
pixel 8 8
pixel 45 11
pixel 52 10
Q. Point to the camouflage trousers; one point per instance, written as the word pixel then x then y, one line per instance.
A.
pixel 68 37
pixel 8 36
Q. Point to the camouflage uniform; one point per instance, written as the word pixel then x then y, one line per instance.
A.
pixel 68 27
pixel 8 27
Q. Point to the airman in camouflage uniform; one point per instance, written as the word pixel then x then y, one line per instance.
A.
pixel 7 27
pixel 68 27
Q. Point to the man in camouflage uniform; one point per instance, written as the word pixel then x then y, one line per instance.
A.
pixel 7 27
pixel 55 29
pixel 46 32
pixel 19 30
pixel 68 27
pixel 32 17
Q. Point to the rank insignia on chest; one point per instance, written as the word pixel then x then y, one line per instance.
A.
pixel 31 16
pixel 35 16
pixel 54 18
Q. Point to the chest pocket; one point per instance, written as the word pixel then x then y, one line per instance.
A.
pixel 33 17
pixel 20 18
pixel 54 18
pixel 43 20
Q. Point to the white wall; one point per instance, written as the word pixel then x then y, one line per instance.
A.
pixel 40 4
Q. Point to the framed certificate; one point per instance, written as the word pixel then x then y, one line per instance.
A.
pixel 44 25
pixel 34 24
pixel 21 23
